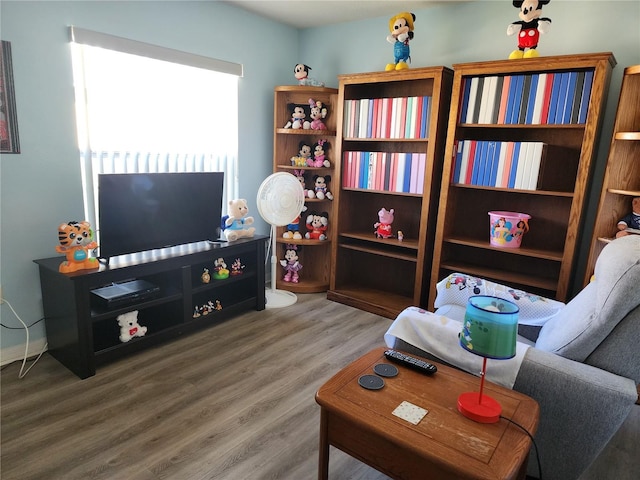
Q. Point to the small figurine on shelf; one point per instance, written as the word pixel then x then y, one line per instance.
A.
pixel 237 267
pixel 298 117
pixel 304 154
pixel 206 276
pixel 528 28
pixel 197 311
pixel 75 242
pixel 301 72
pixel 400 235
pixel 630 223
pixel 401 28
pixel 129 326
pixel 218 305
pixel 319 155
pixel 236 221
pixel 317 224
pixel 383 225
pixel 317 114
pixel 320 188
pixel 291 264
pixel 220 271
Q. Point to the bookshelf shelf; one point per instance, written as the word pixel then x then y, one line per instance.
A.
pixel 555 197
pixel 314 255
pixel 384 276
pixel 621 180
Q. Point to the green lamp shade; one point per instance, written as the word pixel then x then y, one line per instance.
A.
pixel 490 327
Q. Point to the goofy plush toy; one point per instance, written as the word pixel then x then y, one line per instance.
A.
pixel 401 28
pixel 529 28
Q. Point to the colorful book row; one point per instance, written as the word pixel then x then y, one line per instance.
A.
pixel 532 99
pixel 398 117
pixel 384 171
pixel 499 164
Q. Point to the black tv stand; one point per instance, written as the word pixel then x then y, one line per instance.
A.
pixel 83 333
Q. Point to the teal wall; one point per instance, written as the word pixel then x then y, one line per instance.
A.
pixel 41 187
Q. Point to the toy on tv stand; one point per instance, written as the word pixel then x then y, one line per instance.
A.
pixel 236 221
pixel 75 242
pixel 383 225
pixel 401 28
pixel 237 267
pixel 528 28
pixel 630 223
pixel 291 264
pixel 220 270
pixel 301 72
pixel 129 326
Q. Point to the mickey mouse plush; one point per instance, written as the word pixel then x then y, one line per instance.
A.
pixel 529 28
pixel 401 28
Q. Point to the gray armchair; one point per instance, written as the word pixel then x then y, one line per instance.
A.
pixel 583 368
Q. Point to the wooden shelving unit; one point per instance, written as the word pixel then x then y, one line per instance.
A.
pixel 380 275
pixel 545 263
pixel 622 175
pixel 314 255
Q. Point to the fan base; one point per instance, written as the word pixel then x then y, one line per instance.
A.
pixel 279 298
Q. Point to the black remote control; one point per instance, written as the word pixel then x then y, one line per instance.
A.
pixel 411 362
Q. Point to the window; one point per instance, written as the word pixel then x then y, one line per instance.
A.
pixel 146 109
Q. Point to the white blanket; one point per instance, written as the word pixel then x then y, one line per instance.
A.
pixel 438 335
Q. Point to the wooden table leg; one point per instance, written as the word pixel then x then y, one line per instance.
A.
pixel 323 461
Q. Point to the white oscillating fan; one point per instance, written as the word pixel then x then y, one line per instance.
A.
pixel 280 200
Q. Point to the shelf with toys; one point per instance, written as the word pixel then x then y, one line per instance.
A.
pixel 390 141
pixel 304 136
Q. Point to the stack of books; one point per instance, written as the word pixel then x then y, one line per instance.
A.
pixel 499 164
pixel 530 99
pixel 399 117
pixel 384 171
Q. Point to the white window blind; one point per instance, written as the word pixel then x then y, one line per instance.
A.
pixel 146 109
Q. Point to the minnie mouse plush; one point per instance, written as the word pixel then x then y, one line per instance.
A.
pixel 529 28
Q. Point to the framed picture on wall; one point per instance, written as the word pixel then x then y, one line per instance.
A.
pixel 9 142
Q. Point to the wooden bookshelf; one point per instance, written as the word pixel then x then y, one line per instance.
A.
pixel 385 275
pixel 545 263
pixel 622 175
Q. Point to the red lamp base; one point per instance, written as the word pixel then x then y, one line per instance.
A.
pixel 478 407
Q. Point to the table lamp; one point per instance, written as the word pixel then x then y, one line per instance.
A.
pixel 490 330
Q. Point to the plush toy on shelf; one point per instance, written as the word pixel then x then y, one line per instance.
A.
pixel 129 326
pixel 383 225
pixel 304 155
pixel 528 28
pixel 401 28
pixel 318 112
pixel 320 188
pixel 298 117
pixel 75 242
pixel 236 221
pixel 301 72
pixel 630 224
pixel 319 159
pixel 291 264
pixel 317 224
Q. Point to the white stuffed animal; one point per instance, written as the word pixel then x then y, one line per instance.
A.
pixel 129 326
pixel 237 221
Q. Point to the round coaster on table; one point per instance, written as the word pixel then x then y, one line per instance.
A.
pixel 371 382
pixel 386 370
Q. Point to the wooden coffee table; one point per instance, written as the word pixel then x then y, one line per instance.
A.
pixel 443 445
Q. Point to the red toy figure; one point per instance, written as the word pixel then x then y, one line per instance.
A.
pixel 317 226
pixel 75 243
pixel 383 226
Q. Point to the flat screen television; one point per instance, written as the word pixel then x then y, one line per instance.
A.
pixel 146 211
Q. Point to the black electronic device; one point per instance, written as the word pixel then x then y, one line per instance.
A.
pixel 411 362
pixel 147 211
pixel 124 293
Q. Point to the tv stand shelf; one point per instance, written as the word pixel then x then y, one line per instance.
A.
pixel 83 334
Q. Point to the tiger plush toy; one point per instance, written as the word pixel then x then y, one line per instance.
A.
pixel 75 243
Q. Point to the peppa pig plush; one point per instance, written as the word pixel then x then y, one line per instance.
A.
pixel 383 226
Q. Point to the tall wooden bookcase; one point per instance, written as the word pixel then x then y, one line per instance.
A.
pixel 314 255
pixel 401 119
pixel 622 175
pixel 555 198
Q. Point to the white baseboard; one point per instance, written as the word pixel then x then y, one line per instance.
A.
pixel 11 354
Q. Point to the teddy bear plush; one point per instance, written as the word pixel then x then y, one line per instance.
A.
pixel 320 188
pixel 129 326
pixel 237 220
